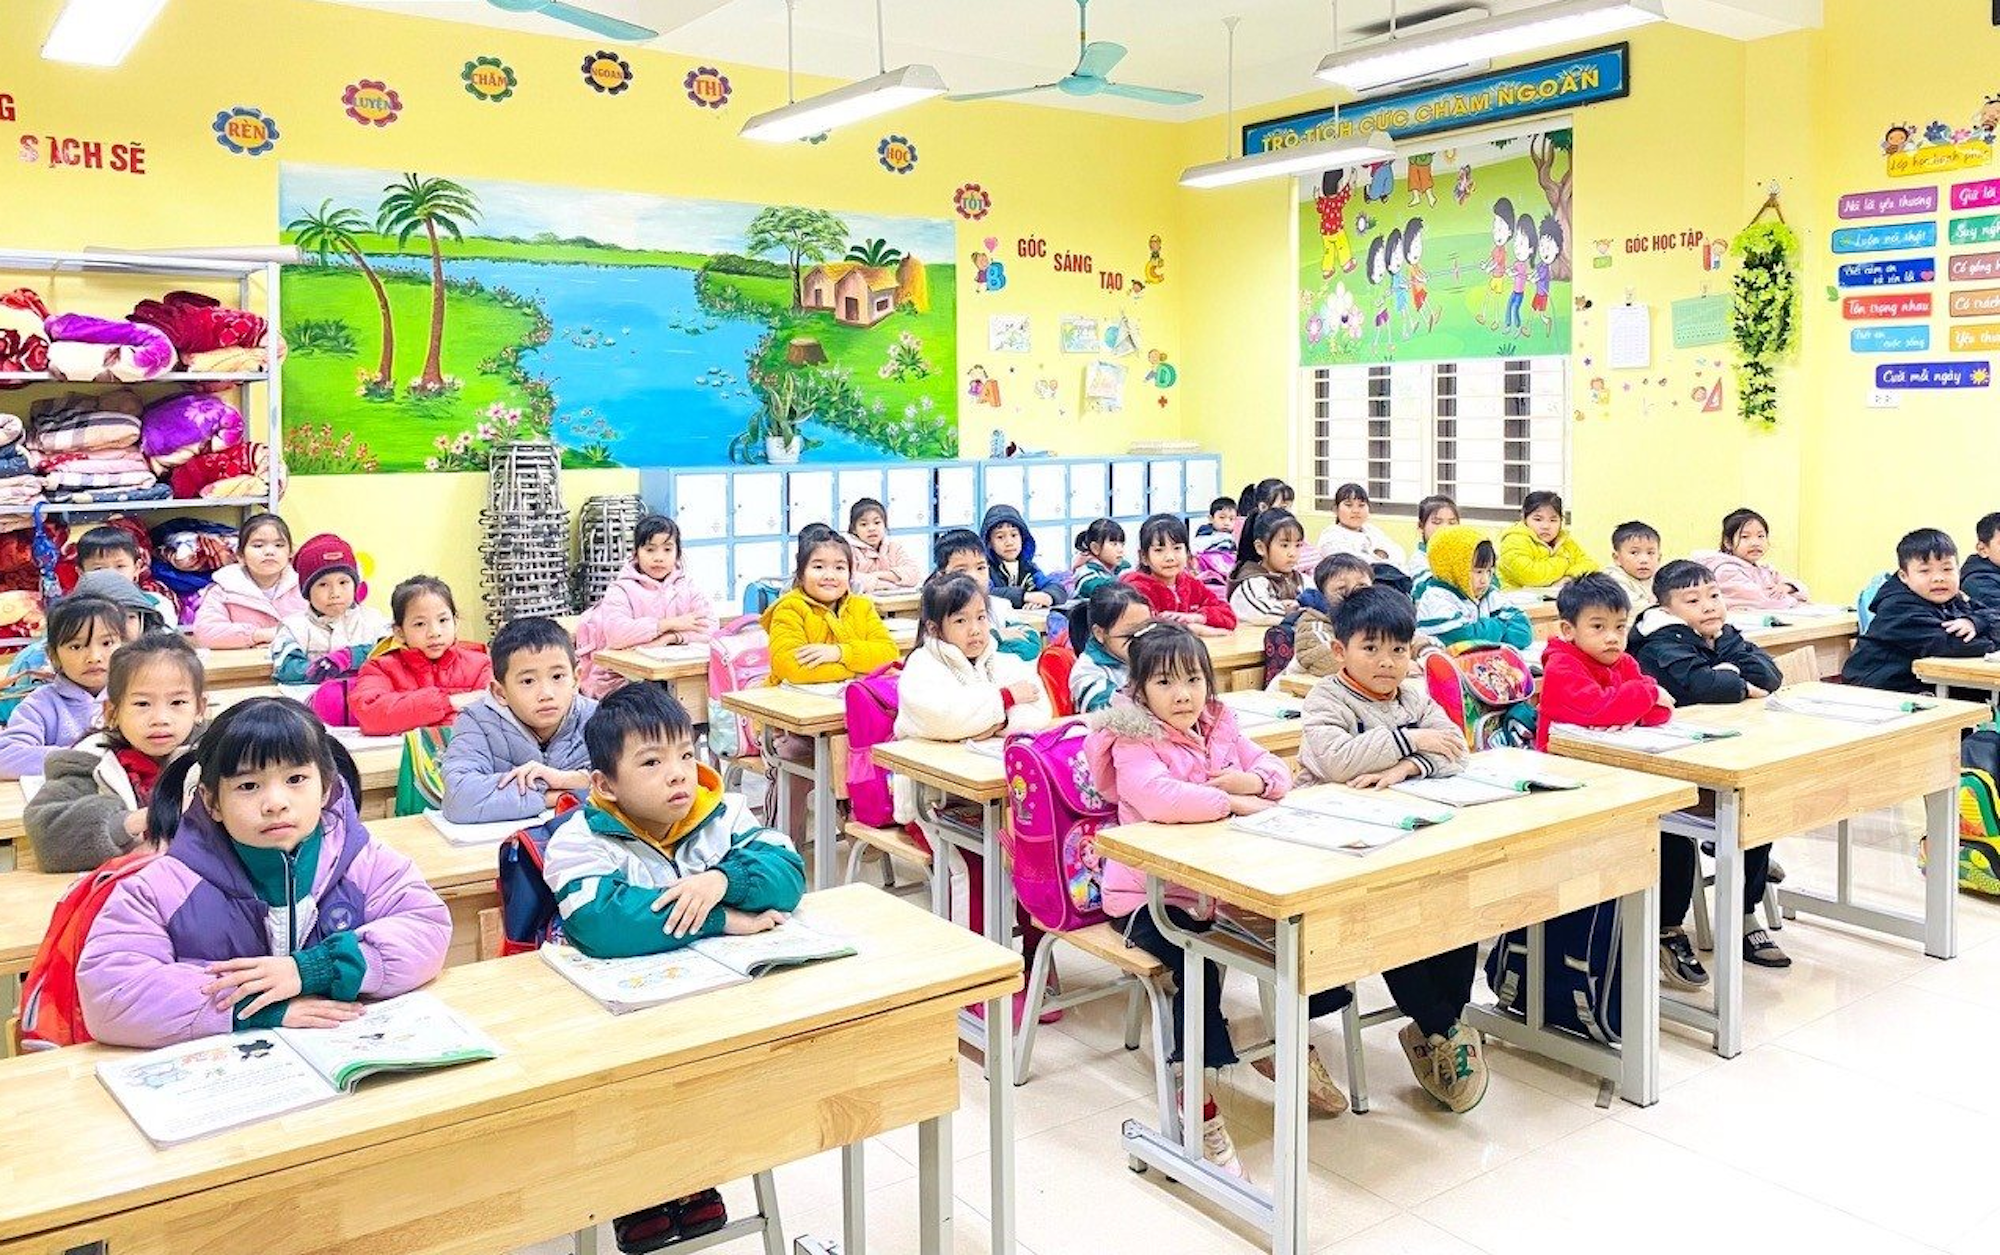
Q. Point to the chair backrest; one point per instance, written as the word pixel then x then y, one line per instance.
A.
pixel 1863 605
pixel 1054 667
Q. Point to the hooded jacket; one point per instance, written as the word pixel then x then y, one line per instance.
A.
pixel 1446 608
pixel 400 690
pixel 1685 663
pixel 1186 595
pixel 367 914
pixel 1639 593
pixel 1979 580
pixel 629 615
pixel 796 620
pixel 234 607
pixel 1096 677
pixel 1906 627
pixel 945 696
pixel 1024 577
pixel 310 647
pixel 1525 562
pixel 1748 585
pixel 1348 733
pixel 878 569
pixel 487 742
pixel 77 819
pixel 1578 689
pixel 53 717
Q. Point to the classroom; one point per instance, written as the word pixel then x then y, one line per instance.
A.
pixel 657 567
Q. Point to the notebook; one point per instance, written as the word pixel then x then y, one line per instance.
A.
pixel 1321 832
pixel 1381 812
pixel 648 980
pixel 1481 783
pixel 1854 709
pixel 482 834
pixel 212 1084
pixel 676 653
pixel 1661 740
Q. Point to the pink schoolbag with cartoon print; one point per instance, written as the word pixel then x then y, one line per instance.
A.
pixel 872 704
pixel 1054 812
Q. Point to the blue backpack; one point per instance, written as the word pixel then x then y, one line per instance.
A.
pixel 529 918
pixel 1863 605
pixel 1580 992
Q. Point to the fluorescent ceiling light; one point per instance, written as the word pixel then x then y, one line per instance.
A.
pixel 1304 159
pixel 882 94
pixel 1526 30
pixel 99 32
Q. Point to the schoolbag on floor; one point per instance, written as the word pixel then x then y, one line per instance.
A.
pixel 1487 689
pixel 1978 814
pixel 51 1008
pixel 1280 643
pixel 1581 951
pixel 1053 815
pixel 529 918
pixel 872 704
pixel 420 776
pixel 739 657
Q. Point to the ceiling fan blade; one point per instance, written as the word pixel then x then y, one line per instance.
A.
pixel 1005 91
pixel 1098 59
pixel 1151 95
pixel 598 23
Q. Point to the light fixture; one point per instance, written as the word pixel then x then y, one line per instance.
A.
pixel 1397 60
pixel 889 90
pixel 1325 155
pixel 99 32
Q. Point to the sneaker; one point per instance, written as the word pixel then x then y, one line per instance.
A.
pixel 1758 948
pixel 1323 1097
pixel 700 1214
pixel 1451 1067
pixel 1776 874
pixel 647 1229
pixel 1679 968
pixel 1218 1148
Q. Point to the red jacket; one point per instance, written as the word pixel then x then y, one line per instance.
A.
pixel 1578 689
pixel 1186 595
pixel 402 690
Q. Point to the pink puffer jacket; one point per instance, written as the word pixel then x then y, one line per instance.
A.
pixel 1748 585
pixel 629 616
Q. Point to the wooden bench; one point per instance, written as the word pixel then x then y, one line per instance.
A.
pixel 892 843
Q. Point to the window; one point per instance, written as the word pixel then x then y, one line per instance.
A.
pixel 1484 432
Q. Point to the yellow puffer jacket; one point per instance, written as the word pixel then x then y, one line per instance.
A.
pixel 796 621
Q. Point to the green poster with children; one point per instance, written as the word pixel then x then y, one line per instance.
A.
pixel 1459 253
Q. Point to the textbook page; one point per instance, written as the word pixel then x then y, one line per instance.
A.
pixel 1321 832
pixel 211 1084
pixel 790 944
pixel 413 1033
pixel 646 980
pixel 482 834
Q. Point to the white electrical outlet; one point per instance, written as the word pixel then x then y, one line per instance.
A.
pixel 1884 399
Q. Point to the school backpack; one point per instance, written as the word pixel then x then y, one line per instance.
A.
pixel 1280 643
pixel 872 704
pixel 1053 816
pixel 1212 567
pixel 1978 813
pixel 1580 952
pixel 1487 689
pixel 1864 604
pixel 529 918
pixel 761 595
pixel 739 657
pixel 1054 666
pixel 51 1008
pixel 420 776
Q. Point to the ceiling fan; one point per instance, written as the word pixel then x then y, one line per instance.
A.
pixel 1090 77
pixel 596 23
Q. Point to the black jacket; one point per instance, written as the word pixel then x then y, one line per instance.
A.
pixel 1027 578
pixel 1687 665
pixel 1906 627
pixel 1979 580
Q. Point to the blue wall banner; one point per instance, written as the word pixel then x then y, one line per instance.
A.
pixel 1889 339
pixel 1504 95
pixel 1885 238
pixel 1881 274
pixel 1934 375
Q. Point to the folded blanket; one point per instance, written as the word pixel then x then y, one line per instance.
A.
pixel 92 461
pixel 157 492
pixel 178 428
pixel 200 324
pixel 63 479
pixel 106 350
pixel 108 420
pixel 11 428
pixel 23 345
pixel 12 464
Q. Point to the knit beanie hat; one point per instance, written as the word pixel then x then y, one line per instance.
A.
pixel 327 554
pixel 1450 551
pixel 113 587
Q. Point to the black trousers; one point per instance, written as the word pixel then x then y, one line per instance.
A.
pixel 1434 991
pixel 1679 863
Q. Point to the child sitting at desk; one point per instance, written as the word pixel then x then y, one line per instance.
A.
pixel 1433 513
pixel 1979 577
pixel 881 564
pixel 1337 577
pixel 335 634
pixel 1746 580
pixel 1920 614
pixel 1264 586
pixel 1100 556
pixel 1010 553
pixel 1538 551
pixel 108 548
pixel 1635 559
pixel 1369 726
pixel 428 675
pixel 518 749
pixel 961 552
pixel 82 632
pixel 654 601
pixel 1457 602
pixel 1172 590
pixel 658 858
pixel 1220 529
pixel 1352 531
pixel 1168 752
pixel 32 668
pixel 250 597
pixel 1107 622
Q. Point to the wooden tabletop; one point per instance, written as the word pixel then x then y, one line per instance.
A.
pixel 1242 648
pixel 235 668
pixel 637 664
pixel 27 900
pixel 556 1043
pixel 1977 673
pixel 450 869
pixel 1789 633
pixel 792 710
pixel 897 603
pixel 1280 879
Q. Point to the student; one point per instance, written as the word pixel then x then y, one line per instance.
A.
pixel 1538 551
pixel 1432 513
pixel 1010 552
pixel 1168 752
pixel 1588 677
pixel 654 601
pixel 91 806
pixel 1456 602
pixel 1979 578
pixel 1337 577
pixel 1746 580
pixel 250 597
pixel 1920 614
pixel 1352 532
pixel 658 858
pixel 961 552
pixel 271 905
pixel 108 548
pixel 1273 494
pixel 1164 580
pixel 32 668
pixel 82 632
pixel 1264 587
pixel 821 630
pixel 881 564
pixel 1114 614
pixel 1220 529
pixel 427 675
pixel 335 633
pixel 1686 644
pixel 515 752
pixel 1635 559
pixel 1370 726
pixel 1100 552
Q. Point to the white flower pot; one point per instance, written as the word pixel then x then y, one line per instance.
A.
pixel 782 452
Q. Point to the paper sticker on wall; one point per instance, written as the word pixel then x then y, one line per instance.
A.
pixel 1889 339
pixel 971 202
pixel 1602 261
pixel 1162 374
pixel 1710 397
pixel 370 102
pixel 1121 337
pixel 1008 333
pixel 1983 229
pixel 1104 387
pixel 1156 266
pixel 1979 337
pixel 989 273
pixel 896 154
pixel 489 79
pixel 245 131
pixel 1938 158
pixel 1881 274
pixel 1934 375
pixel 1974 303
pixel 980 387
pixel 1046 389
pixel 1889 202
pixel 1885 238
pixel 607 73
pixel 706 87
pixel 1078 334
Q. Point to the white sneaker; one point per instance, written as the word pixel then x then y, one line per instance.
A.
pixel 1218 1148
pixel 1323 1097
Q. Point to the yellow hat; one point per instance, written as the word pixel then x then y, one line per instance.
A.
pixel 1450 551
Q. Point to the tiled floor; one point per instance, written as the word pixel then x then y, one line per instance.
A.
pixel 1836 1130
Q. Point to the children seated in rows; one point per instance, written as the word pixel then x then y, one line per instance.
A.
pixel 1352 531
pixel 1920 613
pixel 1114 614
pixel 517 750
pixel 82 632
pixel 1313 649
pixel 961 552
pixel 335 634
pixel 1219 528
pixel 1433 512
pixel 1100 555
pixel 108 548
pixel 1979 576
pixel 1457 601
pixel 654 601
pixel 1635 559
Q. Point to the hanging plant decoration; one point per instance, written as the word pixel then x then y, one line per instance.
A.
pixel 1764 320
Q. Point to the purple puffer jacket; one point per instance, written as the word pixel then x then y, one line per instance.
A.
pixel 143 966
pixel 53 717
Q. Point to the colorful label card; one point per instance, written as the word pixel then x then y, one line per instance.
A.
pixel 1883 274
pixel 1939 158
pixel 1887 238
pixel 1934 374
pixel 1979 337
pixel 1975 303
pixel 1985 194
pixel 1881 308
pixel 1889 339
pixel 1967 267
pixel 1984 229
pixel 1889 203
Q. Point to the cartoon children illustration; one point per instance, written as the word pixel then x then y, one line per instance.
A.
pixel 1547 249
pixel 1525 246
pixel 1496 265
pixel 1381 181
pixel 980 262
pixel 1378 268
pixel 1399 283
pixel 1156 266
pixel 1335 252
pixel 1986 122
pixel 1419 278
pixel 1897 139
pixel 1421 184
pixel 982 388
pixel 1461 191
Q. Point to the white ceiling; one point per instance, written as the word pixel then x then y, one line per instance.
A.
pixel 980 45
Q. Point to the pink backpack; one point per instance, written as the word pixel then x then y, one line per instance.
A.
pixel 1212 567
pixel 739 657
pixel 1054 812
pixel 871 720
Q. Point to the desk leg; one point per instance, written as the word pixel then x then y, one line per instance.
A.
pixel 1000 1120
pixel 854 1197
pixel 934 1198
pixel 825 831
pixel 1194 1046
pixel 1728 923
pixel 1941 884
pixel 1639 1016
pixel 1288 1150
pixel 777 770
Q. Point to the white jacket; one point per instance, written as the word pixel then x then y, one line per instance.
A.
pixel 945 696
pixel 1363 544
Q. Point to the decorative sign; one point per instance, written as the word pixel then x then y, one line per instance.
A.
pixel 1156 266
pixel 1940 158
pixel 489 79
pixel 1886 238
pixel 1984 194
pixel 371 103
pixel 1890 202
pixel 607 73
pixel 6 107
pixel 1934 375
pixel 69 151
pixel 1882 274
pixel 245 131
pixel 1984 229
pixel 896 154
pixel 971 202
pixel 1980 337
pixel 1975 303
pixel 706 86
pixel 1889 339
pixel 1701 320
pixel 1974 266
pixel 1883 308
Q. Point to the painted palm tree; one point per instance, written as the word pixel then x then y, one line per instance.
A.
pixel 430 204
pixel 329 230
pixel 875 252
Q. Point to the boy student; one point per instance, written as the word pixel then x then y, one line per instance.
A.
pixel 1686 644
pixel 1635 559
pixel 1920 614
pixel 961 552
pixel 1370 726
pixel 108 548
pixel 658 858
pixel 1010 550
pixel 1979 578
pixel 1220 530
pixel 519 748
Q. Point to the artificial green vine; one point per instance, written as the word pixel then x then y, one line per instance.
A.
pixel 1764 320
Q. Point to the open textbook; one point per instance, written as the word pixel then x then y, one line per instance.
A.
pixel 1664 739
pixel 647 980
pixel 1855 708
pixel 481 834
pixel 1340 823
pixel 211 1084
pixel 1483 781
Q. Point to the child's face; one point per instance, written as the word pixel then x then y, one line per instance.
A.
pixel 1482 581
pixel 428 625
pixel 870 528
pixel 1599 632
pixel 657 558
pixel 159 709
pixel 1444 516
pixel 825 578
pixel 332 595
pixel 1503 230
pixel 1118 638
pixel 967 628
pixel 1109 552
pixel 1545 248
pixel 274 807
pixel 1167 558
pixel 1638 557
pixel 266 555
pixel 1545 523
pixel 1352 513
pixel 1281 552
pixel 85 659
pixel 966 562
pixel 1700 607
pixel 539 686
pixel 1933 579
pixel 1341 585
pixel 654 784
pixel 1223 520
pixel 1524 248
pixel 1176 698
pixel 1006 542
pixel 1751 542
pixel 115 560
pixel 1376 664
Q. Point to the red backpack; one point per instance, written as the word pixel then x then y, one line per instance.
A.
pixel 51 1010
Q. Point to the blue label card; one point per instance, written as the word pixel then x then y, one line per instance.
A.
pixel 1882 274
pixel 1886 238
pixel 1889 339
pixel 1934 375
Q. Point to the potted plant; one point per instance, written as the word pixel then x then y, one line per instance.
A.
pixel 780 424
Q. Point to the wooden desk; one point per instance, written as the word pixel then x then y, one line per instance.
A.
pixel 1490 868
pixel 903 603
pixel 27 899
pixel 1238 658
pixel 1541 618
pixel 822 720
pixel 1829 637
pixel 687 678
pixel 1788 773
pixel 1945 674
pixel 465 876
pixel 236 668
pixel 543 1141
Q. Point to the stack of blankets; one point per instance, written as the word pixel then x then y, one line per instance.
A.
pixel 20 487
pixel 85 446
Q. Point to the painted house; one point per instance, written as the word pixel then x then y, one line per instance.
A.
pixel 857 295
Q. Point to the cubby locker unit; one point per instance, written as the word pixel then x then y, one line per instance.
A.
pixel 739 524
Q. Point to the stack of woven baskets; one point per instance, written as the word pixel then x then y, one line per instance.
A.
pixel 604 543
pixel 526 549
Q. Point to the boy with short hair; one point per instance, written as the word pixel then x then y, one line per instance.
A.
pixel 1336 577
pixel 107 548
pixel 519 748
pixel 1010 552
pixel 1220 530
pixel 1635 559
pixel 1921 613
pixel 960 551
pixel 1370 726
pixel 657 859
pixel 1979 577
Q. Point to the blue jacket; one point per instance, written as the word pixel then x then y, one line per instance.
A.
pixel 1026 577
pixel 487 742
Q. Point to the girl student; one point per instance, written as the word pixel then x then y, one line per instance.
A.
pixel 271 905
pixel 1352 531
pixel 428 675
pixel 1164 580
pixel 654 601
pixel 1168 752
pixel 1264 587
pixel 250 597
pixel 881 563
pixel 1746 580
pixel 91 806
pixel 1114 614
pixel 1433 512
pixel 82 632
pixel 1539 551
pixel 1100 556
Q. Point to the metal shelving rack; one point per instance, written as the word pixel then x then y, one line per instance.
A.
pixel 195 271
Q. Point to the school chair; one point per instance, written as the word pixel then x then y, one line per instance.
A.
pixel 892 843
